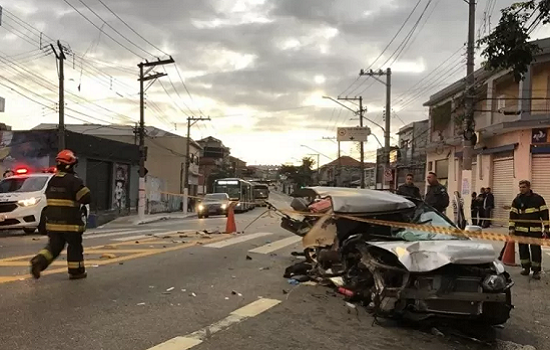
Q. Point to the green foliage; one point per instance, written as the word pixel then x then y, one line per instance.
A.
pixel 302 175
pixel 508 46
pixel 221 172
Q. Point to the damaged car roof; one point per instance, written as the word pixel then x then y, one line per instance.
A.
pixel 355 200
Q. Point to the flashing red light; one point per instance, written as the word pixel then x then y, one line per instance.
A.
pixel 21 171
pixel 51 169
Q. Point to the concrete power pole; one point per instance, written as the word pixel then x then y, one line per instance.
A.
pixel 362 144
pixel 387 128
pixel 143 77
pixel 190 122
pixel 61 127
pixel 469 122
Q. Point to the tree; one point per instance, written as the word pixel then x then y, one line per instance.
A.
pixel 223 171
pixel 301 175
pixel 508 46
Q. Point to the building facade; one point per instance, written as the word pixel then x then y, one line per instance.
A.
pixel 165 161
pixel 109 168
pixel 411 156
pixel 512 124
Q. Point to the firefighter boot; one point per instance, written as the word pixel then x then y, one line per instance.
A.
pixel 37 265
pixel 525 271
pixel 536 275
pixel 78 276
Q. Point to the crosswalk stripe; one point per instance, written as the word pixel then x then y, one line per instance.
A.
pixel 280 244
pixel 109 234
pixel 95 232
pixel 241 239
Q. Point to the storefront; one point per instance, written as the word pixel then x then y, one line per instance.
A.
pixel 503 183
pixel 540 163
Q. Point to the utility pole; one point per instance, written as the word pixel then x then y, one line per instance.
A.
pixel 362 144
pixel 190 122
pixel 143 77
pixel 339 172
pixel 61 127
pixel 469 122
pixel 387 129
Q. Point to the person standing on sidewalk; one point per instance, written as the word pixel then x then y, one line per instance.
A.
pixel 488 206
pixel 408 188
pixel 528 215
pixel 437 195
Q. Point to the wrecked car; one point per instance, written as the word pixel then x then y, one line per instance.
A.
pixel 399 272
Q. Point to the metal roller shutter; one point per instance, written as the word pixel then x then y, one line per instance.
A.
pixel 540 175
pixel 503 188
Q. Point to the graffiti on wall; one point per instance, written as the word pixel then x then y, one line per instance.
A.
pixel 120 192
pixel 24 149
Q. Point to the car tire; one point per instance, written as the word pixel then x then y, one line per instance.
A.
pixel 199 216
pixel 29 230
pixel 206 216
pixel 42 224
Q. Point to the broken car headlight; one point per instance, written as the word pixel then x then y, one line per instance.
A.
pixel 494 283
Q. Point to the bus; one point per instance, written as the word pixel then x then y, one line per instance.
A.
pixel 237 190
pixel 261 194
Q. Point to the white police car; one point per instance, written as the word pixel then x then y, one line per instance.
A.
pixel 23 200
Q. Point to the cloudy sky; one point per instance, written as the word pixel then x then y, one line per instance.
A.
pixel 258 68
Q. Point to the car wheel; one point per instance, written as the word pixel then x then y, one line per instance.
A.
pixel 29 230
pixel 199 216
pixel 206 216
pixel 42 224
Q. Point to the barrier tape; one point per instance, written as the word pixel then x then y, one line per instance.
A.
pixel 484 235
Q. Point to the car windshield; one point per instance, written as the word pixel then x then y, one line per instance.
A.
pixel 211 197
pixel 22 184
pixel 427 216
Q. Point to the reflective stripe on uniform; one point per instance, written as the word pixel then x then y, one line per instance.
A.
pixel 64 228
pixel 83 191
pixel 75 264
pixel 535 229
pixel 47 254
pixel 62 203
pixel 511 224
pixel 543 207
pixel 514 210
pixel 522 229
pixel 529 211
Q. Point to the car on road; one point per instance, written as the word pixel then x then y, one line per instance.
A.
pixel 23 201
pixel 213 204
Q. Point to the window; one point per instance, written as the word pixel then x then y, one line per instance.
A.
pixel 501 102
pixel 442 168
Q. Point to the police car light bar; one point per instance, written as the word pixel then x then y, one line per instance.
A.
pixel 21 171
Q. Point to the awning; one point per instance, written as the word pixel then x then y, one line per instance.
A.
pixel 499 149
pixel 540 149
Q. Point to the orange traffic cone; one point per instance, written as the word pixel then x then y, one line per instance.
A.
pixel 509 256
pixel 231 226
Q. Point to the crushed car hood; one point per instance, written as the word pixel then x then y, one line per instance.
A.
pixel 353 200
pixel 426 256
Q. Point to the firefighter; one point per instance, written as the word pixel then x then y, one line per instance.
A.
pixel 529 206
pixel 65 194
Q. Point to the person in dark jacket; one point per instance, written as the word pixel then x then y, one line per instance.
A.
pixel 65 194
pixel 528 215
pixel 408 188
pixel 474 209
pixel 488 206
pixel 437 195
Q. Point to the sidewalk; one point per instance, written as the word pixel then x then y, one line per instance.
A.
pixel 134 219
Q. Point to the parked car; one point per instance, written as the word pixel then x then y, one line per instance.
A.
pixel 213 204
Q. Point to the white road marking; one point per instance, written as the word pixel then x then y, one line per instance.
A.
pixel 191 340
pixel 280 244
pixel 109 234
pixel 241 239
pixel 96 232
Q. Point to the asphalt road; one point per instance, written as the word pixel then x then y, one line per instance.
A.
pixel 180 291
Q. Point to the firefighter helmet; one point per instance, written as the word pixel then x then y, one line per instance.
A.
pixel 66 157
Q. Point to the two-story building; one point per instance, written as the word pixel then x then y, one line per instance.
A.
pixel 215 157
pixel 512 123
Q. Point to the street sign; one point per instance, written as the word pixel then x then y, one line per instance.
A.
pixel 356 134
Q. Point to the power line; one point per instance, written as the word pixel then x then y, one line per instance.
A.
pixel 113 28
pixel 106 34
pixel 132 29
pixel 385 49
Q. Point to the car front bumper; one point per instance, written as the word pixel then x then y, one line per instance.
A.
pixel 21 217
